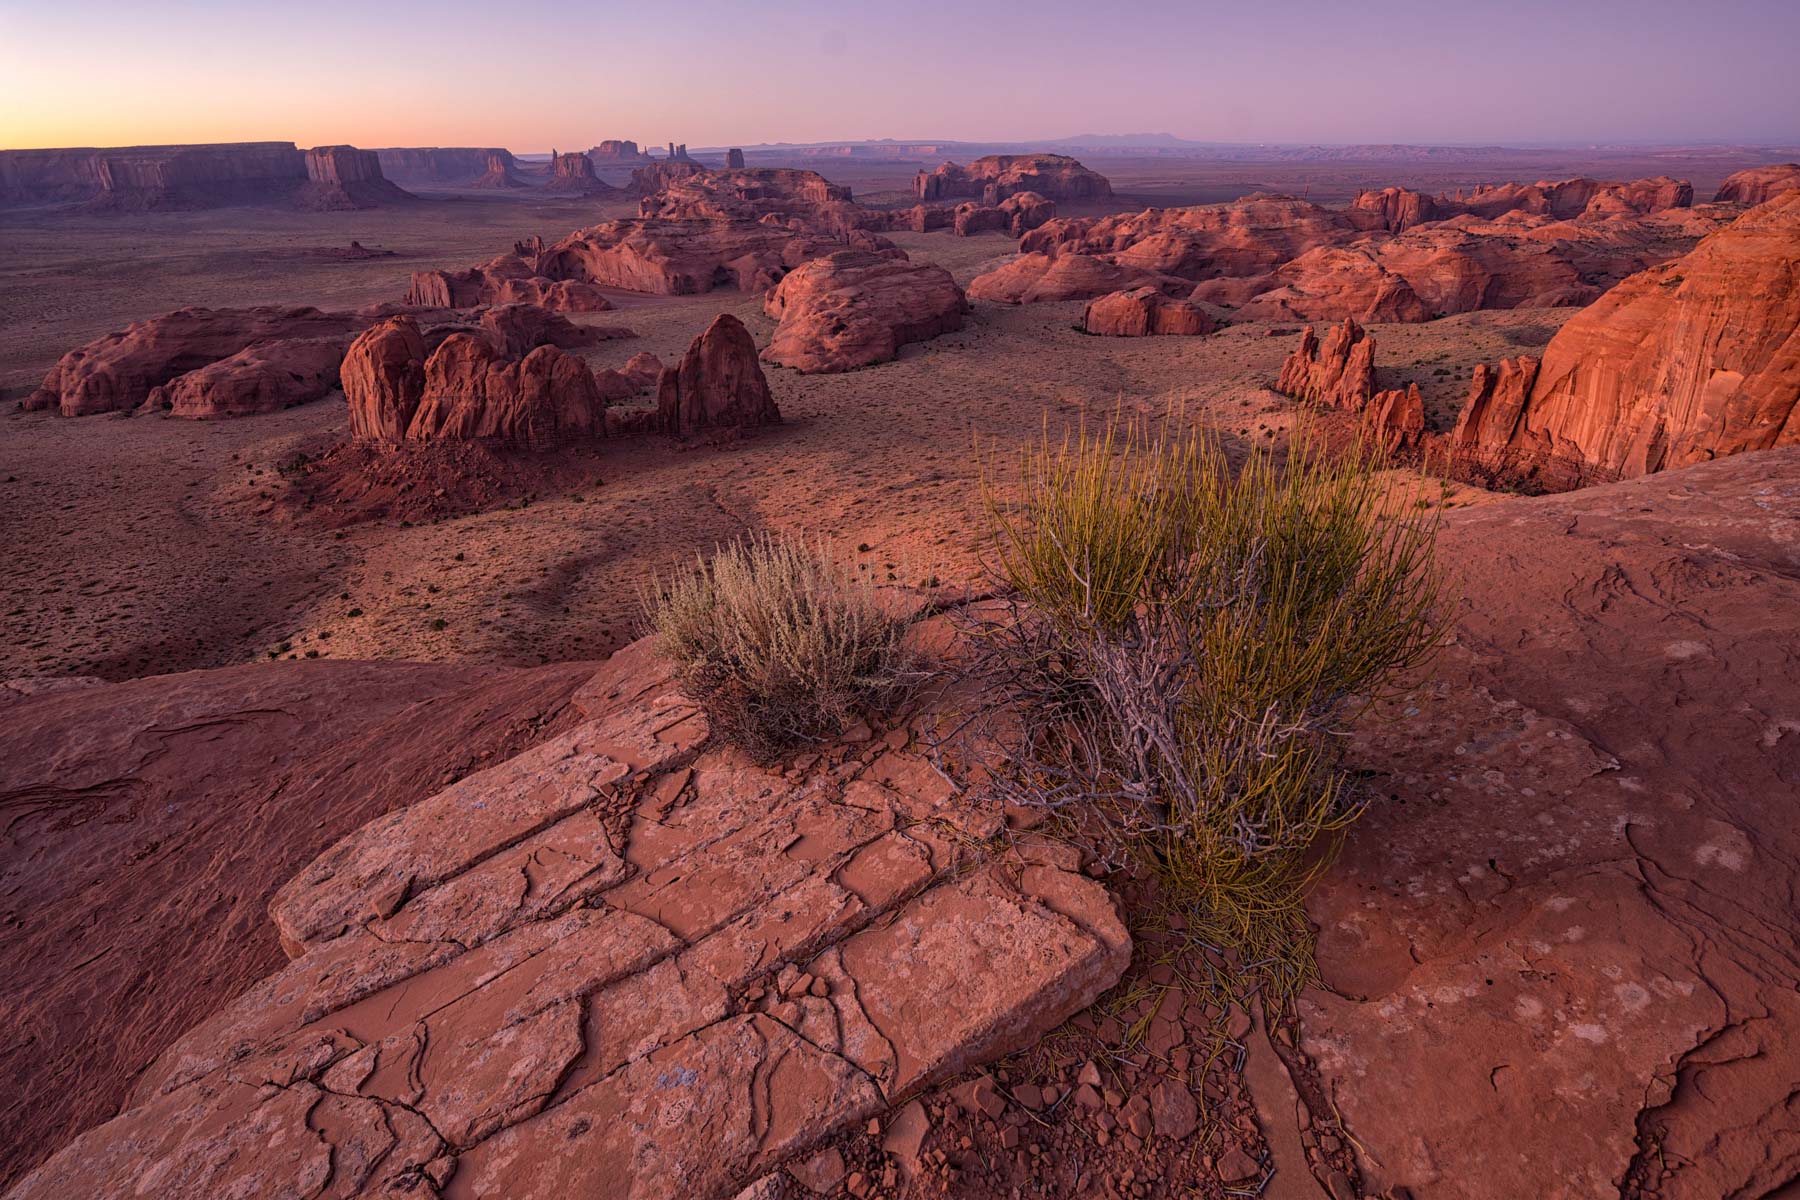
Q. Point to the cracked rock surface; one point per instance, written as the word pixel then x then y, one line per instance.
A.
pixel 621 963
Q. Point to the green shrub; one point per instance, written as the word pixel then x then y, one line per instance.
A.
pixel 1187 642
pixel 778 640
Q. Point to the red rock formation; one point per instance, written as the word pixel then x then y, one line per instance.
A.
pixel 574 174
pixel 1395 420
pixel 499 173
pixel 474 392
pixel 1398 208
pixel 1144 312
pixel 718 385
pixel 1490 412
pixel 120 370
pixel 155 177
pixel 1569 198
pixel 1759 185
pixel 258 379
pixel 1330 283
pixel 687 257
pixel 852 309
pixel 517 329
pixel 384 379
pixel 618 151
pixel 643 369
pixel 1695 359
pixel 765 193
pixel 994 178
pixel 1017 215
pixel 505 279
pixel 649 180
pixel 734 160
pixel 1340 372
pixel 1245 237
pixel 342 178
pixel 445 165
pixel 1039 278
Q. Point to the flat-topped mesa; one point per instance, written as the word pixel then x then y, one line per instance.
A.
pixel 617 150
pixel 753 193
pixel 499 173
pixel 717 385
pixel 458 165
pixel 574 174
pixel 675 257
pixel 150 177
pixel 1145 312
pixel 853 309
pixel 1687 361
pixel 136 366
pixel 509 383
pixel 994 178
pixel 1759 185
pixel 343 178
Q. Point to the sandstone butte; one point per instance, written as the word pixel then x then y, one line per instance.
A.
pixel 853 308
pixel 717 385
pixel 343 177
pixel 587 954
pixel 574 174
pixel 509 382
pixel 444 164
pixel 1694 359
pixel 994 178
pixel 498 172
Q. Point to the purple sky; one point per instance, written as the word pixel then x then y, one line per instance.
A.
pixel 531 74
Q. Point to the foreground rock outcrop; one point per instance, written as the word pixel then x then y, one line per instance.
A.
pixel 151 821
pixel 718 384
pixel 853 308
pixel 682 968
pixel 1692 360
pixel 1555 955
pixel 1339 373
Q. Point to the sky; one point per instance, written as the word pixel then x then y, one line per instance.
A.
pixel 535 74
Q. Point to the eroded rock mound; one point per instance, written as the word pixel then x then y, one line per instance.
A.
pixel 119 371
pixel 1695 359
pixel 681 257
pixel 1145 312
pixel 1759 185
pixel 853 308
pixel 505 279
pixel 1399 208
pixel 1041 278
pixel 257 379
pixel 994 178
pixel 719 384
